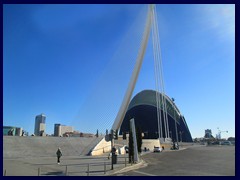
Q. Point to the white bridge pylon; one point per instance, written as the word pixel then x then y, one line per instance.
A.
pixel 150 22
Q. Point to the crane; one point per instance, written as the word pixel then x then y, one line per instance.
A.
pixel 219 133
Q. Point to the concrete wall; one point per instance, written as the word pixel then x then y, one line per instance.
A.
pixel 105 147
pixel 102 147
pixel 35 146
pixel 150 143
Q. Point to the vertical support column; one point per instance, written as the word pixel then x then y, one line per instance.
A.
pixel 112 144
pixel 176 125
pixel 136 159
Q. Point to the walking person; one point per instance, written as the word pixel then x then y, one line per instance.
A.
pixel 59 154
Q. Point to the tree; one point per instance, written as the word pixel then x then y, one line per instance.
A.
pixel 139 139
pixel 124 135
pixel 116 134
pixel 106 132
pixel 97 133
pixel 231 139
pixel 130 147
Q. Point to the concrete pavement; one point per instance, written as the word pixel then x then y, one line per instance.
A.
pixel 70 166
pixel 193 161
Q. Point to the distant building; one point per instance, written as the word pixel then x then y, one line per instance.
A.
pixel 208 133
pixel 86 134
pixel 71 134
pixel 60 130
pixel 218 136
pixel 56 129
pixel 40 126
pixel 12 131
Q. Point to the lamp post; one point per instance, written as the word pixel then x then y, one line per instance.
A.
pixel 156 134
pixel 181 132
pixel 175 120
pixel 146 132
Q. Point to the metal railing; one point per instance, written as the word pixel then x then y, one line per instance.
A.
pixel 85 169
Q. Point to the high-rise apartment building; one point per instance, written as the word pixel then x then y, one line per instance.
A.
pixel 40 126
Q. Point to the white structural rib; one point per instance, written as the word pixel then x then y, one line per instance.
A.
pixel 122 111
pixel 157 51
pixel 157 77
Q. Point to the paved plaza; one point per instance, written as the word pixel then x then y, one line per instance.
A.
pixel 192 161
pixel 70 165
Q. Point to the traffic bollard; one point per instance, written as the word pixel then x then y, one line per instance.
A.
pixel 66 171
pixel 39 171
pixel 104 167
pixel 88 170
pixel 125 161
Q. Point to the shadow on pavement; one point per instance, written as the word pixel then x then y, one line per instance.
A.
pixel 57 173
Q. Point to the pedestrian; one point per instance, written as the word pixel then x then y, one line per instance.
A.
pixel 59 154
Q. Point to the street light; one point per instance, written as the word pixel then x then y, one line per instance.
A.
pixel 156 133
pixel 181 132
pixel 175 120
pixel 219 133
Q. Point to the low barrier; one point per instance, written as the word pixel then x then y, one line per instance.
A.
pixel 86 169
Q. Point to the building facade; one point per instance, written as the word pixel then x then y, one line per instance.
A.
pixel 12 131
pixel 56 129
pixel 143 108
pixel 208 133
pixel 40 125
pixel 60 130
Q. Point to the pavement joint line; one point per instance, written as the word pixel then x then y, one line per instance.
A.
pixel 145 173
pixel 141 164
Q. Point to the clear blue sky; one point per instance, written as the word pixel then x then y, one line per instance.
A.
pixel 72 63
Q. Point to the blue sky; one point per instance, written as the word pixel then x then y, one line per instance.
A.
pixel 73 63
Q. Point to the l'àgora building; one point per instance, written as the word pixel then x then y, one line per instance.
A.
pixel 143 108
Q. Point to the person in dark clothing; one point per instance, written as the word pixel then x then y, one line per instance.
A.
pixel 59 154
